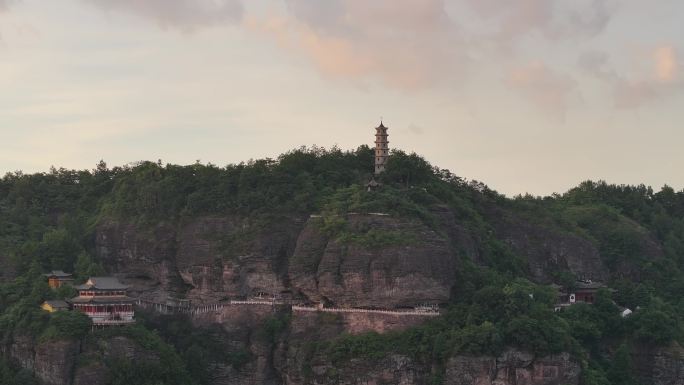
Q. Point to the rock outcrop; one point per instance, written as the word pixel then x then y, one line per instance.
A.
pixel 660 366
pixel 55 361
pixel 512 368
pixel 144 256
pixel 209 259
pixel 393 370
pixel 416 266
pixel 547 249
pixel 205 260
pixel 73 362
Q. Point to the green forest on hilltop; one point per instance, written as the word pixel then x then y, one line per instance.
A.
pixel 48 220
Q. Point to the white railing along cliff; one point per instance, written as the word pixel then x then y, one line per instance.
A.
pixel 202 309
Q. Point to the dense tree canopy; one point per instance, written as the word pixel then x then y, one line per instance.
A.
pixel 47 221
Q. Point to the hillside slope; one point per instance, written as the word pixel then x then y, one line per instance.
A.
pixel 303 227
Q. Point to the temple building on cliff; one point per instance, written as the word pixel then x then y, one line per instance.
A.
pixel 104 300
pixel 52 306
pixel 57 278
pixel 584 291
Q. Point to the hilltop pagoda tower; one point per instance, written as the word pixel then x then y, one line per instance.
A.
pixel 381 148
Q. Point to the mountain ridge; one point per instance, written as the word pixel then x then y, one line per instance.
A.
pixel 207 233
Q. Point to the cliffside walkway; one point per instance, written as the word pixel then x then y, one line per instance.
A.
pixel 425 313
pixel 203 309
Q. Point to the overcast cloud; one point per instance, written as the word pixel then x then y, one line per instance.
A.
pixel 529 95
pixel 183 14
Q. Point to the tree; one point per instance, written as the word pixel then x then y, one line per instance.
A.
pixel 85 267
pixel 620 372
pixel 593 374
pixel 64 292
pixel 655 326
pixel 642 296
pixel 408 170
pixel 57 250
pixel 68 324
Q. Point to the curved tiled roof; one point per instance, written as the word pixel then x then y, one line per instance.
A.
pixel 103 299
pixel 102 283
pixel 57 303
pixel 58 274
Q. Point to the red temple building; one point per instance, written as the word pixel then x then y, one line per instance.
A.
pixel 104 300
pixel 583 292
pixel 586 291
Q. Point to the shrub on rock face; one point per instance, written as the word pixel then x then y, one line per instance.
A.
pixel 655 326
pixel 484 338
pixel 67 324
pixel 538 335
pixel 593 374
pixel 620 371
pixel 10 375
pixel 65 291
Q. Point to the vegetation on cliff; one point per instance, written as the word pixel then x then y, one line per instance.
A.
pixel 11 374
pixel 47 221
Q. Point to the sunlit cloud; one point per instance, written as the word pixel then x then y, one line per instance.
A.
pixel 417 44
pixel 665 63
pixel 635 91
pixel 551 18
pixel 403 44
pixel 548 89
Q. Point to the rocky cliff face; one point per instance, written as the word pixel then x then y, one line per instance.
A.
pixel 547 249
pixel 401 272
pixel 208 259
pixel 241 331
pixel 70 362
pixel 513 368
pixel 395 369
pixel 205 260
pixel 55 361
pixel 145 256
pixel 285 360
pixel 297 365
pixel 660 366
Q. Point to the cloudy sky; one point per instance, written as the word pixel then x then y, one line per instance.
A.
pixel 527 95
